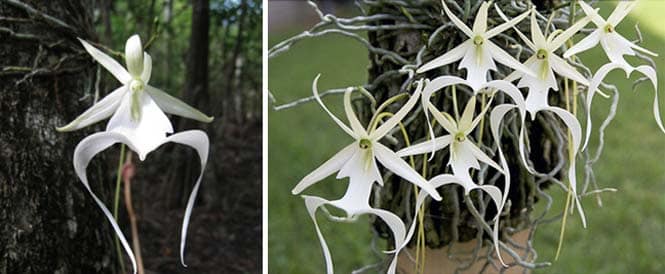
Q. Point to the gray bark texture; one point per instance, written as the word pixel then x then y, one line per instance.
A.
pixel 48 222
pixel 449 220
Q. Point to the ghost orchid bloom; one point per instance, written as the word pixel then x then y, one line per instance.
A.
pixel 614 45
pixel 358 162
pixel 138 120
pixel 478 52
pixel 464 154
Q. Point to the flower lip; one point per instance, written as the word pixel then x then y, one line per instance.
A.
pixel 365 143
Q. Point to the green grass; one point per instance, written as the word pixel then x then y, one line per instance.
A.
pixel 626 235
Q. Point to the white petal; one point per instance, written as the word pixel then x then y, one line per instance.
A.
pixel 458 23
pixel 480 23
pixel 526 40
pixel 398 116
pixel 512 91
pixel 504 58
pixel 650 73
pixel 445 121
pixel 147 68
pixel 560 39
pixel 398 229
pixel 351 115
pixel 427 146
pixel 616 47
pixel 466 120
pixel 586 43
pixel 536 34
pixel 462 159
pixel 146 133
pixel 593 87
pixel 394 163
pixel 315 91
pixel 622 9
pixel 107 62
pixel 477 61
pixel 593 14
pixel 564 69
pixel 134 55
pixel 99 111
pixel 327 168
pixel 198 140
pixel 175 106
pixel 84 152
pixel 501 28
pixel 481 156
pixel 447 58
pixel 313 203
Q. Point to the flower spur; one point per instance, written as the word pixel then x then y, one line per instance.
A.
pixel 358 162
pixel 138 120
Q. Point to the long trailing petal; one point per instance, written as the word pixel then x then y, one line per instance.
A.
pixel 650 73
pixel 99 111
pixel 503 27
pixel 480 23
pixel 146 133
pixel 147 68
pixel 561 67
pixel 588 42
pixel 593 14
pixel 343 126
pixel 593 88
pixel 313 203
pixel 84 152
pixel 107 62
pixel 326 169
pixel 427 146
pixel 351 115
pixel 504 58
pixel 175 106
pixel 398 229
pixel 398 116
pixel 622 9
pixel 198 140
pixel 512 91
pixel 447 58
pixel 560 39
pixel 394 163
pixel 458 23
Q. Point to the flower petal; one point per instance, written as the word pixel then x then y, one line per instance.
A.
pixel 503 27
pixel 481 156
pixel 526 40
pixel 445 121
pixel 107 62
pixel 146 133
pixel 458 23
pixel 313 203
pixel 588 42
pixel 593 14
pixel 480 23
pixel 147 68
pixel 467 115
pixel 427 146
pixel 84 152
pixel 326 169
pixel 615 46
pixel 593 87
pixel 537 34
pixel 343 126
pixel 447 58
pixel 351 115
pixel 622 9
pixel 398 116
pixel 198 140
pixel 512 91
pixel 504 58
pixel 398 229
pixel 560 39
pixel 650 73
pixel 99 111
pixel 394 163
pixel 562 68
pixel 175 106
pixel 134 55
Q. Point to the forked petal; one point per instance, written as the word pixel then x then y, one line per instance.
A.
pixel 326 169
pixel 107 62
pixel 99 111
pixel 394 163
pixel 175 106
pixel 84 152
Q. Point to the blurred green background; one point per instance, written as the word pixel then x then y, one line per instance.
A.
pixel 626 235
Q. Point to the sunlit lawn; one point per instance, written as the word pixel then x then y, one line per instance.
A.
pixel 626 235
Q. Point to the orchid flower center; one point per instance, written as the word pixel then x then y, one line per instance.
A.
pixel 541 54
pixel 365 144
pixel 136 85
pixel 478 40
pixel 460 137
pixel 609 28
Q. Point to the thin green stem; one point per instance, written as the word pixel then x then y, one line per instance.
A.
pixel 116 204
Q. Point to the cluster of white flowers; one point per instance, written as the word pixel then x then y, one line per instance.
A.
pixel 137 120
pixel 478 55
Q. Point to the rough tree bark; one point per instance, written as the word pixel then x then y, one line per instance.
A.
pixel 449 220
pixel 48 222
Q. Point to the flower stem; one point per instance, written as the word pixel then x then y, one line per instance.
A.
pixel 116 202
pixel 136 244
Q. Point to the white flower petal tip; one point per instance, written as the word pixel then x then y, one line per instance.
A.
pixel 175 106
pixel 99 111
pixel 134 55
pixel 107 62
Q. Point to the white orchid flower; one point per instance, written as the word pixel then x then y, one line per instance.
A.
pixel 138 120
pixel 358 162
pixel 464 154
pixel 478 52
pixel 614 45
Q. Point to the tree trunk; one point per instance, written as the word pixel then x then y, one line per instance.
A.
pixel 228 102
pixel 49 223
pixel 449 220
